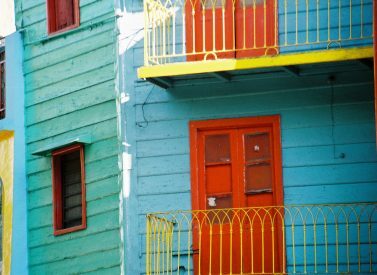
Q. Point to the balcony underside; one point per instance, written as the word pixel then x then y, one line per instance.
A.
pixel 226 70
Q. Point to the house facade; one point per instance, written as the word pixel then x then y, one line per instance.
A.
pixel 255 137
pixel 12 157
pixel 73 202
pixel 192 137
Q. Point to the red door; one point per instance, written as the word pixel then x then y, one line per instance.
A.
pixel 236 167
pixel 256 28
pixel 244 28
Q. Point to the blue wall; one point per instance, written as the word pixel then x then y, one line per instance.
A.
pixel 328 133
pixel 328 136
pixel 15 121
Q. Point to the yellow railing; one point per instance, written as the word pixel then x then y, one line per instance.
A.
pixel 297 239
pixel 193 30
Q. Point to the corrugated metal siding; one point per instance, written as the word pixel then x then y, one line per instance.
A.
pixel 70 90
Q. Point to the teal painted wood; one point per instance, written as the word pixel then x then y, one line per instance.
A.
pixel 70 91
pixel 328 141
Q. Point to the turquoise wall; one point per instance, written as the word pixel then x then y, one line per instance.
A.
pixel 70 91
pixel 14 121
pixel 315 136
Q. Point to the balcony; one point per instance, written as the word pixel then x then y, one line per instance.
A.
pixel 300 239
pixel 219 38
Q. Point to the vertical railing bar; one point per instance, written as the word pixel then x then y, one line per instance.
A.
pixel 350 37
pixel 315 245
pixel 233 25
pixel 283 245
pixel 348 248
pixel 263 246
pixel 241 241
pixel 252 245
pixel 293 246
pixel 163 36
pixel 337 244
pixel 179 246
pixel 304 229
pixel 193 28
pixel 307 21
pixel 184 46
pixel 285 23
pixel 146 28
pixel 276 31
pixel 370 244
pixel 358 245
pixel 203 5
pixel 326 248
pixel 174 38
pixel 328 21
pixel 154 38
pixel 231 249
pixel 361 18
pixel 189 233
pixel 244 24
pixel 273 244
pixel 317 11
pixel 158 247
pixel 223 3
pixel 296 22
pixel 254 27
pixel 200 247
pixel 210 248
pixel 340 20
pixel 214 26
pixel 221 248
pixel 265 24
pixel 147 268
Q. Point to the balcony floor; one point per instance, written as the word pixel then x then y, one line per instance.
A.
pixel 228 70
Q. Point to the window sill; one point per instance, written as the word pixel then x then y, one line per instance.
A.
pixel 58 232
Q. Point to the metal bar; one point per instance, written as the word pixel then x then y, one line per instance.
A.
pixel 375 60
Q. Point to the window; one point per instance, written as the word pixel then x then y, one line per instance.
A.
pixel 62 15
pixel 2 83
pixel 68 175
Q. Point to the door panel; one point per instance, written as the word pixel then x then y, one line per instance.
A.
pixel 238 172
pixel 256 28
pixel 209 29
pixel 244 28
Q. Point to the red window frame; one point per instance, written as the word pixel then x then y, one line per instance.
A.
pixel 57 189
pixel 52 17
pixel 2 86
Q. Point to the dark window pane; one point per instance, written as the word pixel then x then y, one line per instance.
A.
pixel 258 178
pixel 71 189
pixel 257 146
pixel 217 148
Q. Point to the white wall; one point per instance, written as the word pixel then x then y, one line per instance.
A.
pixel 7 25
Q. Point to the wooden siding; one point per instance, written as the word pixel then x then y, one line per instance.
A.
pixel 70 90
pixel 328 142
pixel 328 150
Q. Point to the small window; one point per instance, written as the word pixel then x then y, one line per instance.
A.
pixel 2 83
pixel 69 189
pixel 62 15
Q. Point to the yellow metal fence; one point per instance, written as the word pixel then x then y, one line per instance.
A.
pixel 193 30
pixel 297 239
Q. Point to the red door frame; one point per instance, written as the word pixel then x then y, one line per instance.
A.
pixel 222 124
